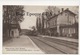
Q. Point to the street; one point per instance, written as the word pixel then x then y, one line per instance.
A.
pixel 42 45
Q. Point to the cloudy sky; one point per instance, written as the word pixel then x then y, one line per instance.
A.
pixel 30 21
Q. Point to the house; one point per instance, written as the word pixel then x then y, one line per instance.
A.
pixel 14 29
pixel 63 23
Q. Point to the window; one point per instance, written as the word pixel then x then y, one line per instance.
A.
pixel 65 30
pixel 54 22
pixel 72 30
pixel 12 33
pixel 65 14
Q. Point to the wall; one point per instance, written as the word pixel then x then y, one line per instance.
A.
pixel 65 18
pixel 68 31
pixel 53 22
pixel 15 33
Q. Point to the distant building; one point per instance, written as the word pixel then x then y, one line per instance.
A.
pixel 63 23
pixel 25 31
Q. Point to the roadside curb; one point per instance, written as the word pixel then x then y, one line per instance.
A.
pixel 35 45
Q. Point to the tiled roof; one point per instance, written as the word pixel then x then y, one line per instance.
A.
pixel 61 13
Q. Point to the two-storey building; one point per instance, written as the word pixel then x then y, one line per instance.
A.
pixel 63 23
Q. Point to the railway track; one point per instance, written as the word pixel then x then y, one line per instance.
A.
pixel 60 46
pixel 45 47
pixel 52 46
pixel 72 45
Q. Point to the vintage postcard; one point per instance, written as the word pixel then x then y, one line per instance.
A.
pixel 40 29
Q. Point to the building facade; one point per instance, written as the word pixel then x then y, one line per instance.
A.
pixel 63 24
pixel 15 30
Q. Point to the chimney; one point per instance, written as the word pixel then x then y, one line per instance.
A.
pixel 62 9
pixel 67 8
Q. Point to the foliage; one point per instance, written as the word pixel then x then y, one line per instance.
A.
pixel 13 13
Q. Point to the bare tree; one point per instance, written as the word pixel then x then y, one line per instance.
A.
pixel 51 11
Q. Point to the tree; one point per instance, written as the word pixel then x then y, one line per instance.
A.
pixel 33 28
pixel 39 24
pixel 11 14
pixel 51 11
pixel 43 22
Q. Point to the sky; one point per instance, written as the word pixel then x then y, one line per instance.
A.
pixel 30 21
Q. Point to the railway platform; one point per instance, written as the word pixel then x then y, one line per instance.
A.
pixel 62 38
pixel 20 45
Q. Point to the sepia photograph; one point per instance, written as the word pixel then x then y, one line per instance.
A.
pixel 40 29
